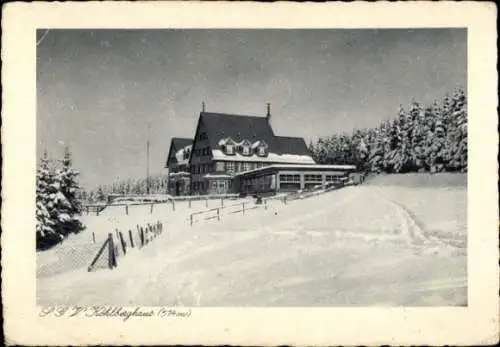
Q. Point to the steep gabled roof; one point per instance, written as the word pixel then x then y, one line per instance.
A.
pixel 223 126
pixel 180 142
pixel 176 144
pixel 238 128
pixel 291 145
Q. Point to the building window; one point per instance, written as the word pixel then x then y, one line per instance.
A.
pixel 229 148
pixel 246 150
pixel 229 166
pixel 313 178
pixel 333 178
pixel 290 178
pixel 261 151
pixel 219 166
pixel 289 182
pixel 246 167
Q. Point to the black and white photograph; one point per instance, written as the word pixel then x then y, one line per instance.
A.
pixel 244 173
pixel 252 167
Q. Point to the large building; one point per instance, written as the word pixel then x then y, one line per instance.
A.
pixel 241 154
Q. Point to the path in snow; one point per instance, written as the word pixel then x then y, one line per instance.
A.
pixel 355 246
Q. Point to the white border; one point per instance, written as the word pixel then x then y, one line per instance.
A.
pixel 476 324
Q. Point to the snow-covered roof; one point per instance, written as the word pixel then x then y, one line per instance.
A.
pixel 301 166
pixel 175 157
pixel 247 130
pixel 217 176
pixel 259 143
pixel 180 173
pixel 182 155
pixel 270 158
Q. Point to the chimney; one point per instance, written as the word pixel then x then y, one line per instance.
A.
pixel 203 106
pixel 268 115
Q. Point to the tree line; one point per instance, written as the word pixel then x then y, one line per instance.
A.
pixel 57 201
pixel 419 139
pixel 158 184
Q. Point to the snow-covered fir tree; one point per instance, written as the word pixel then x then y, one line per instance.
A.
pixel 57 202
pixel 420 139
pixel 46 233
pixel 69 204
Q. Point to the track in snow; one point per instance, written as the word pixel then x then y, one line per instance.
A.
pixel 347 247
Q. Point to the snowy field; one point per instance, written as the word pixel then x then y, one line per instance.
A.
pixel 397 240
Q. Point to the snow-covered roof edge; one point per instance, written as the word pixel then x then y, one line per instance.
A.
pixel 300 166
pixel 270 158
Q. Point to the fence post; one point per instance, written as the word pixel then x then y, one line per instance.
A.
pixel 265 204
pixel 222 202
pixel 173 205
pixel 151 209
pixel 218 215
pixel 189 203
pixel 93 236
pixel 141 236
pixel 124 247
pixel 191 219
pixel 111 252
pixel 243 205
pixel 97 211
pixel 206 202
pixel 126 210
pixel 131 238
pixel 87 210
pixel 284 199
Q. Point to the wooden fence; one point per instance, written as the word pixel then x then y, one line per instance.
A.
pixel 98 208
pixel 217 212
pixel 145 235
pixel 244 207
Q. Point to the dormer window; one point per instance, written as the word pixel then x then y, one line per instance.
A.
pixel 261 148
pixel 227 145
pixel 245 147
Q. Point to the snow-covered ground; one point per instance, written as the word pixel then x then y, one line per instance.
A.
pixel 368 245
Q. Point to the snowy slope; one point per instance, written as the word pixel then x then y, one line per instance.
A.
pixel 364 245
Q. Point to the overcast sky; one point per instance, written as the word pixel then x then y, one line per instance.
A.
pixel 106 92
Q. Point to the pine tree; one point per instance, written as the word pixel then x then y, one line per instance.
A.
pixel 376 151
pixel 433 139
pixel 46 234
pixel 68 204
pixel 456 139
pixel 461 114
pixel 100 194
